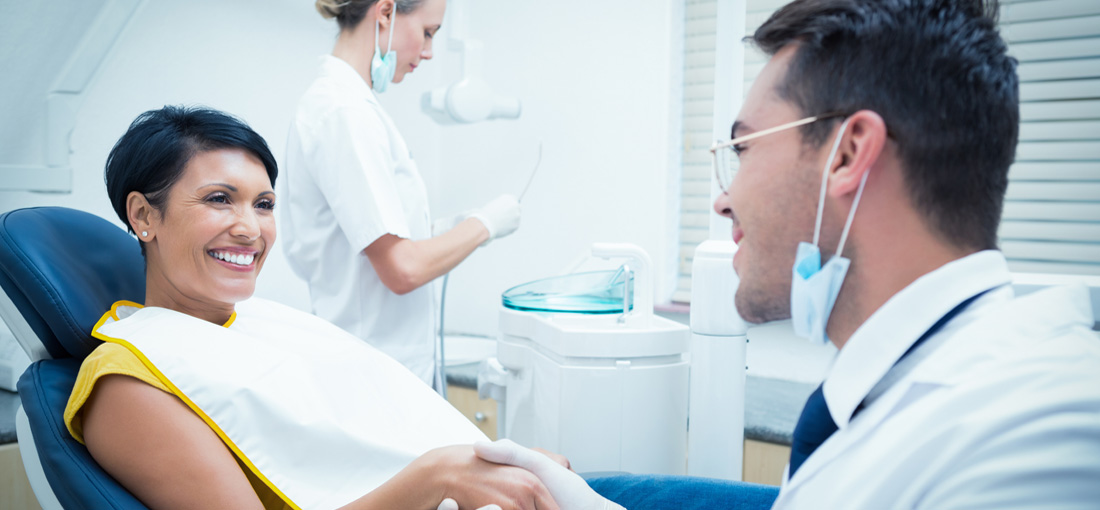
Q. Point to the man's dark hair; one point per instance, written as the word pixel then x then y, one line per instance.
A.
pixel 937 72
pixel 151 155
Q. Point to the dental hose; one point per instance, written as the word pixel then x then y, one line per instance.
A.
pixel 441 369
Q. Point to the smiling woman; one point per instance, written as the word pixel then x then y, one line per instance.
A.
pixel 210 241
pixel 207 220
pixel 205 397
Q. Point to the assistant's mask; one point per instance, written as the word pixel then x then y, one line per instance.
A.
pixel 383 67
pixel 814 288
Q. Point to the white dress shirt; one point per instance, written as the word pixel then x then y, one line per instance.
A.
pixel 998 409
pixel 349 180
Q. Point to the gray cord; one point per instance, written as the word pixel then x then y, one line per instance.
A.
pixel 442 359
pixel 533 172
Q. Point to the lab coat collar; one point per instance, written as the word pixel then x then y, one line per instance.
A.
pixel 1052 309
pixel 348 77
pixel 892 329
pixel 993 327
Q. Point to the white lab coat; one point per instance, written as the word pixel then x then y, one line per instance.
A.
pixel 349 180
pixel 1000 409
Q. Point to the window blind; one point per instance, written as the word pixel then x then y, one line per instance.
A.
pixel 700 34
pixel 1051 221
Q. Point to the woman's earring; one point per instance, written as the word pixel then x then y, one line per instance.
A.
pixel 144 234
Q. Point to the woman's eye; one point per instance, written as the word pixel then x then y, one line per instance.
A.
pixel 428 35
pixel 737 149
pixel 218 199
pixel 266 204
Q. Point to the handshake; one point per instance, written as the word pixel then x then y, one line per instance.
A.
pixel 568 489
pixel 500 217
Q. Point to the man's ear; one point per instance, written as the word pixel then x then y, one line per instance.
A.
pixel 859 150
pixel 141 216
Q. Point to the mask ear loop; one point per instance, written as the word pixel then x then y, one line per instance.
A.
pixel 852 213
pixel 825 184
pixel 377 24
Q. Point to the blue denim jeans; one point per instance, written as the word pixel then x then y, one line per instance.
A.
pixel 664 492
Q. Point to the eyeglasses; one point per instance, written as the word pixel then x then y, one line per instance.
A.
pixel 725 157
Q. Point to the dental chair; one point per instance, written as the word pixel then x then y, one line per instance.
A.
pixel 60 270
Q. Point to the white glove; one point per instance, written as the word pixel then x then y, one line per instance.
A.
pixel 443 225
pixel 450 504
pixel 567 488
pixel 500 216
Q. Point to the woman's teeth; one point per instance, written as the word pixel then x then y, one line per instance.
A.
pixel 238 259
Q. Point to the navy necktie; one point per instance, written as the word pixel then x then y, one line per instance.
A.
pixel 815 424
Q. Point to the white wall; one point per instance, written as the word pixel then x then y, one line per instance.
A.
pixel 252 58
pixel 593 78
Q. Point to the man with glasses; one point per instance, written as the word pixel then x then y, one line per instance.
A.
pixel 865 179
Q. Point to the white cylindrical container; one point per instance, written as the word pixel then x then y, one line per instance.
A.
pixel 718 337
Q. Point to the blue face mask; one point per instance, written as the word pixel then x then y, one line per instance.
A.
pixel 814 288
pixel 382 68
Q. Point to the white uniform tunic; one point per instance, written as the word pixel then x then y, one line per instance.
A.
pixel 999 409
pixel 349 180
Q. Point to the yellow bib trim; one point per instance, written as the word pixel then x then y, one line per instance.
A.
pixel 113 314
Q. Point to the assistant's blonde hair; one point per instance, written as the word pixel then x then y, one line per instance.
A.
pixel 349 13
pixel 330 8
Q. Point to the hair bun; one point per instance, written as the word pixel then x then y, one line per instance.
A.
pixel 330 8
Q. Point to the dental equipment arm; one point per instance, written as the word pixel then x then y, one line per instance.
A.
pixel 640 263
pixel 569 490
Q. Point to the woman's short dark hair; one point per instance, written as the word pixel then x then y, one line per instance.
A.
pixel 151 155
pixel 937 72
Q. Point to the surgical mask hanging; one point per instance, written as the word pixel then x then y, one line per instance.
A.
pixel 814 288
pixel 382 68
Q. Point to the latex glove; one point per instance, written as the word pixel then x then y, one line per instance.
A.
pixel 569 490
pixel 500 216
pixel 443 225
pixel 450 504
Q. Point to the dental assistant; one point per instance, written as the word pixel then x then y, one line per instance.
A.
pixel 358 225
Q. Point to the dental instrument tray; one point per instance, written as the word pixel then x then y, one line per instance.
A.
pixel 596 292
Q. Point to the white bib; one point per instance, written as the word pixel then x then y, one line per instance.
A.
pixel 320 416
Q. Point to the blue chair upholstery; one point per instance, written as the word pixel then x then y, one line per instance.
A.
pixel 77 481
pixel 61 269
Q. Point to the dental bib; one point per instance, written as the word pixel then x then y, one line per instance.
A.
pixel 318 415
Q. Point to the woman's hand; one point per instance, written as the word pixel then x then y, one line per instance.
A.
pixel 500 216
pixel 556 457
pixel 450 504
pixel 458 474
pixel 567 487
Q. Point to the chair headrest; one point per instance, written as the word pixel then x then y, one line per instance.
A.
pixel 62 269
